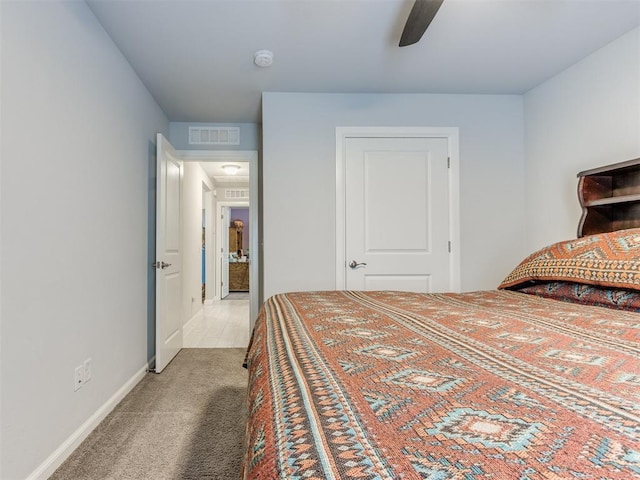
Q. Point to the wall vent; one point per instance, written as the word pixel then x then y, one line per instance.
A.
pixel 214 136
pixel 237 194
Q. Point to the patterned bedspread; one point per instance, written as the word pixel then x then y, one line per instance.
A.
pixel 395 385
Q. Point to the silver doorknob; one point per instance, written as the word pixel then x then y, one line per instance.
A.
pixel 354 264
pixel 162 265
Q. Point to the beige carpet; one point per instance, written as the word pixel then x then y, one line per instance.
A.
pixel 185 423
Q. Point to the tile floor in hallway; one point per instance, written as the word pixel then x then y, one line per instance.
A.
pixel 223 324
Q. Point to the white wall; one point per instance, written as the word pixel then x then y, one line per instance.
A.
pixel 299 180
pixel 78 134
pixel 194 177
pixel 587 116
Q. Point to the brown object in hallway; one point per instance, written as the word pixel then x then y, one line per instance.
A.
pixel 239 277
pixel 235 239
pixel 610 198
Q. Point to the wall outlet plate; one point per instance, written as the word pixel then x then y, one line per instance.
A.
pixel 78 377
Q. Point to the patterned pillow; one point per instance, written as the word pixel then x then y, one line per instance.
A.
pixel 586 294
pixel 606 259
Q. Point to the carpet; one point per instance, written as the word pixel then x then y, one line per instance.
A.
pixel 185 423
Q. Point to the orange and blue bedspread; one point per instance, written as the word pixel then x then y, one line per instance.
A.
pixel 397 385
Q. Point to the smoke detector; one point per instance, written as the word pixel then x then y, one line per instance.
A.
pixel 263 58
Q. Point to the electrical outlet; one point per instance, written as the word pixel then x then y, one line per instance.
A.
pixel 78 377
pixel 87 370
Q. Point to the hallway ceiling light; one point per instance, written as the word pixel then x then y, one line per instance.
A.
pixel 231 169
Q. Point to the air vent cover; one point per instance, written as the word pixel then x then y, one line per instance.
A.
pixel 214 135
pixel 242 194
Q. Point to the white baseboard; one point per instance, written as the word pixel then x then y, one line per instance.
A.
pixel 188 326
pixel 46 469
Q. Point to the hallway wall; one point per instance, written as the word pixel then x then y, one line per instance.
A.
pixel 194 177
pixel 78 151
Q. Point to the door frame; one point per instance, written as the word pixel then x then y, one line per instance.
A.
pixel 209 240
pixel 250 156
pixel 452 136
pixel 224 230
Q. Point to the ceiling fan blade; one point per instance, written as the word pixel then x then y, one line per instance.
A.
pixel 419 19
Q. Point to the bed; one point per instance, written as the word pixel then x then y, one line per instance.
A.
pixel 539 379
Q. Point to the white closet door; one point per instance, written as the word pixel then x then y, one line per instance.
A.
pixel 397 214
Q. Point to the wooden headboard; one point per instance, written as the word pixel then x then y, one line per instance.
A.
pixel 609 197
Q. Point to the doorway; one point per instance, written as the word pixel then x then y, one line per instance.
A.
pixel 208 243
pixel 233 321
pixel 231 257
pixel 239 251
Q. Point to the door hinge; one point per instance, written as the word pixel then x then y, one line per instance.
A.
pixel 449 245
pixel 448 162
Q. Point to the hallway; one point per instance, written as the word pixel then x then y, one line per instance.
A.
pixel 224 324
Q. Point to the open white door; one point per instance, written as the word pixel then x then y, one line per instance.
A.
pixel 168 253
pixel 224 232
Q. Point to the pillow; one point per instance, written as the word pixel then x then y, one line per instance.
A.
pixel 586 294
pixel 607 259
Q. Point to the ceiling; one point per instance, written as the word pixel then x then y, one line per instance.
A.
pixel 196 56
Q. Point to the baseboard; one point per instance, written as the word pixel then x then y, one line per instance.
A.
pixel 46 469
pixel 186 328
